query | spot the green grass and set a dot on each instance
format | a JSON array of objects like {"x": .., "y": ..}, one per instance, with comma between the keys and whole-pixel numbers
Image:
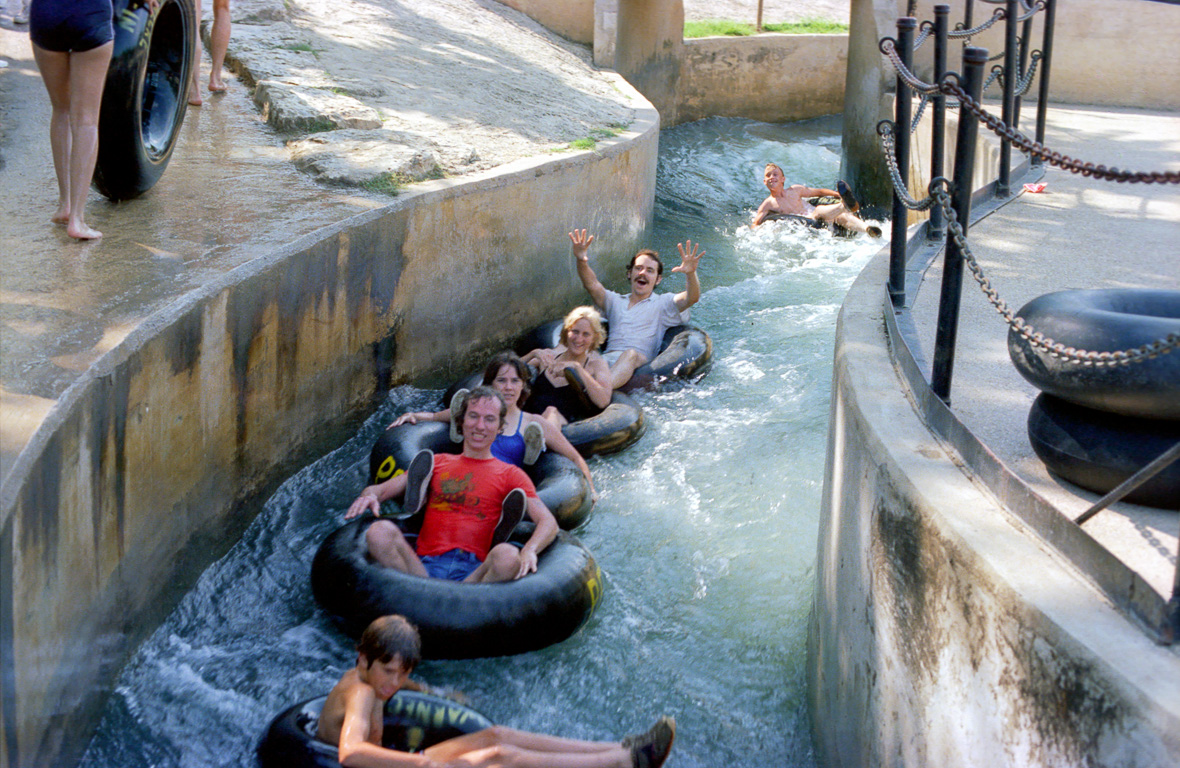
[
  {"x": 393, "y": 183},
  {"x": 301, "y": 48},
  {"x": 386, "y": 183},
  {"x": 724, "y": 27}
]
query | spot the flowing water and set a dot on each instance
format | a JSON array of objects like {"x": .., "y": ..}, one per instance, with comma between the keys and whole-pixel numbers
[{"x": 705, "y": 530}]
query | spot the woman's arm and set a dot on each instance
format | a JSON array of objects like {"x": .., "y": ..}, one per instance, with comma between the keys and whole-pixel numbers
[
  {"x": 417, "y": 416},
  {"x": 555, "y": 440},
  {"x": 598, "y": 382}
]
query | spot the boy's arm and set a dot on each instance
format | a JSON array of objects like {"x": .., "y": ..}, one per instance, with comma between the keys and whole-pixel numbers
[
  {"x": 763, "y": 211},
  {"x": 816, "y": 191},
  {"x": 690, "y": 259},
  {"x": 355, "y": 750},
  {"x": 543, "y": 536},
  {"x": 590, "y": 281}
]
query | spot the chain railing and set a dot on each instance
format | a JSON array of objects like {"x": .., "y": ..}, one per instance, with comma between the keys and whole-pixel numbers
[{"x": 949, "y": 200}]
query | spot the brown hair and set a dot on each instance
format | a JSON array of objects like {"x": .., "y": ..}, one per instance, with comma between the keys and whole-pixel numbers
[
  {"x": 652, "y": 254},
  {"x": 522, "y": 370},
  {"x": 389, "y": 636}
]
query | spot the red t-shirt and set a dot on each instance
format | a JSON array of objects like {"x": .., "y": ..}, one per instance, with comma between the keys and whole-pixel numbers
[{"x": 463, "y": 508}]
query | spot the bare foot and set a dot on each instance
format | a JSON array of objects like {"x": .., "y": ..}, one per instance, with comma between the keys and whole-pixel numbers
[
  {"x": 216, "y": 86},
  {"x": 62, "y": 216},
  {"x": 194, "y": 99},
  {"x": 80, "y": 231}
]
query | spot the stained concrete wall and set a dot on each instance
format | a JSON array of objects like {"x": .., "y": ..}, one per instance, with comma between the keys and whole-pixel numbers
[
  {"x": 943, "y": 633},
  {"x": 1108, "y": 52},
  {"x": 772, "y": 78},
  {"x": 155, "y": 461},
  {"x": 572, "y": 19}
]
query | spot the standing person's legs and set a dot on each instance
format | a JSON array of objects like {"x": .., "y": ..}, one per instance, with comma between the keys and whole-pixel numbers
[
  {"x": 218, "y": 43},
  {"x": 88, "y": 76},
  {"x": 194, "y": 82},
  {"x": 55, "y": 73}
]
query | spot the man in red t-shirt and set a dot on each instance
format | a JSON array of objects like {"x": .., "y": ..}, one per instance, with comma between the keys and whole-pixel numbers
[{"x": 470, "y": 495}]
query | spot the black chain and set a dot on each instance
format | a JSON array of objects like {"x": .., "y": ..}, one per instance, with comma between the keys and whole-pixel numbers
[{"x": 1065, "y": 162}]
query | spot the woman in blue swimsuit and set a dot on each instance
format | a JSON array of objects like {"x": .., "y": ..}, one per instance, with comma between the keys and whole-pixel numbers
[
  {"x": 72, "y": 43},
  {"x": 508, "y": 374}
]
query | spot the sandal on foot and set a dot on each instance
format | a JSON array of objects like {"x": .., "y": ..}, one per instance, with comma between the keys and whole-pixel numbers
[
  {"x": 850, "y": 202},
  {"x": 534, "y": 442},
  {"x": 457, "y": 415},
  {"x": 651, "y": 749},
  {"x": 511, "y": 513},
  {"x": 575, "y": 380},
  {"x": 418, "y": 482}
]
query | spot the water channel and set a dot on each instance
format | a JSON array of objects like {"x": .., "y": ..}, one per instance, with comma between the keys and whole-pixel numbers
[{"x": 705, "y": 530}]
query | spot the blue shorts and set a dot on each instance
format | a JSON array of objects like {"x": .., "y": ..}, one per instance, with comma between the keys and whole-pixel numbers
[
  {"x": 455, "y": 565},
  {"x": 71, "y": 25}
]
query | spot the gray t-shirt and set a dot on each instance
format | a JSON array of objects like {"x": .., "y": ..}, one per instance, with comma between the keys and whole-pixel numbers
[{"x": 642, "y": 326}]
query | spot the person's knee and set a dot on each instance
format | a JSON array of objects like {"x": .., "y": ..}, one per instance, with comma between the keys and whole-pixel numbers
[
  {"x": 503, "y": 562},
  {"x": 382, "y": 536}
]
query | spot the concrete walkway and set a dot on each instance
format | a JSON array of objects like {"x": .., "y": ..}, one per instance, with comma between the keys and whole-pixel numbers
[
  {"x": 1079, "y": 233},
  {"x": 232, "y": 193}
]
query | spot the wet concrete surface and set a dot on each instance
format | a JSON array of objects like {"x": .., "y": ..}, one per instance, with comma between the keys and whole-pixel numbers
[{"x": 229, "y": 194}]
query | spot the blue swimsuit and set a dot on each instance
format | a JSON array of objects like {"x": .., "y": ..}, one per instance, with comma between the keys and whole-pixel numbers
[
  {"x": 510, "y": 448},
  {"x": 71, "y": 26}
]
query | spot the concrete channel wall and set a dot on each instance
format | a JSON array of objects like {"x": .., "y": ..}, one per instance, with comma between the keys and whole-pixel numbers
[
  {"x": 944, "y": 632},
  {"x": 151, "y": 466},
  {"x": 771, "y": 77}
]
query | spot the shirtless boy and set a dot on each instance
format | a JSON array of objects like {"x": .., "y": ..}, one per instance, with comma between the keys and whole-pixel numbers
[
  {"x": 638, "y": 320},
  {"x": 470, "y": 495},
  {"x": 792, "y": 201},
  {"x": 386, "y": 654}
]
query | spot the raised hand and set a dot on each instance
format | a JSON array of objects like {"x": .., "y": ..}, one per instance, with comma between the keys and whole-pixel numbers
[
  {"x": 581, "y": 243},
  {"x": 690, "y": 257}
]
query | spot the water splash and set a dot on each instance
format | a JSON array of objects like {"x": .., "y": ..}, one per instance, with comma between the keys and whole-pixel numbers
[{"x": 705, "y": 531}]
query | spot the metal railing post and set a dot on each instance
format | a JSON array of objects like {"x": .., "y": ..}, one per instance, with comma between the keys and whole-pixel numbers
[
  {"x": 897, "y": 244},
  {"x": 1011, "y": 75},
  {"x": 1022, "y": 69},
  {"x": 1046, "y": 61},
  {"x": 968, "y": 12},
  {"x": 937, "y": 226},
  {"x": 974, "y": 60}
]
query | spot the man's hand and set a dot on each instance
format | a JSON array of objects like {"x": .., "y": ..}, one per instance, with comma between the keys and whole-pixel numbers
[
  {"x": 410, "y": 418},
  {"x": 581, "y": 243},
  {"x": 528, "y": 562},
  {"x": 366, "y": 502},
  {"x": 690, "y": 257}
]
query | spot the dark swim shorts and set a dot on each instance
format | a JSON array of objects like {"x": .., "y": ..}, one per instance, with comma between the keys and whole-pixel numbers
[{"x": 71, "y": 26}]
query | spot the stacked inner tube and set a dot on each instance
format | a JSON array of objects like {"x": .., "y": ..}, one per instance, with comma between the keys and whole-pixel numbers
[
  {"x": 413, "y": 722},
  {"x": 1096, "y": 426},
  {"x": 145, "y": 96},
  {"x": 560, "y": 484},
  {"x": 458, "y": 620}
]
